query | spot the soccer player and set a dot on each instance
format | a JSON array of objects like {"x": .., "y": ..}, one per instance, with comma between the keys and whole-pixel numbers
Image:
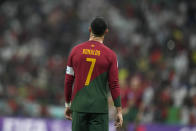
[{"x": 90, "y": 67}]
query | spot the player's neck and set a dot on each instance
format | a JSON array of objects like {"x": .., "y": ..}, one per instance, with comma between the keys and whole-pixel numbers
[{"x": 98, "y": 39}]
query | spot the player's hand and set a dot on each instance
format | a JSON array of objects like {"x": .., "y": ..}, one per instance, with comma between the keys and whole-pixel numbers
[
  {"x": 68, "y": 113},
  {"x": 119, "y": 118}
]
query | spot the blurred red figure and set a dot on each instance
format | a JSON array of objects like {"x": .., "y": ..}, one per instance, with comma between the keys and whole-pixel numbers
[{"x": 135, "y": 108}]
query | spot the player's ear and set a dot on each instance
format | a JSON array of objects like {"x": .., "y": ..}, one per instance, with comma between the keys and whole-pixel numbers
[
  {"x": 106, "y": 31},
  {"x": 89, "y": 29}
]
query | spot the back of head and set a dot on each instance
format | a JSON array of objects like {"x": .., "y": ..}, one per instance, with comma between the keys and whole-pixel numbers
[{"x": 98, "y": 26}]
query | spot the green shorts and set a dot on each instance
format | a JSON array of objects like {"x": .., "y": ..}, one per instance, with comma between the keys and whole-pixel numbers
[{"x": 89, "y": 121}]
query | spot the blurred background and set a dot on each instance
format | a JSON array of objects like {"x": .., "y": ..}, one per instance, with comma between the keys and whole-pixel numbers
[{"x": 155, "y": 41}]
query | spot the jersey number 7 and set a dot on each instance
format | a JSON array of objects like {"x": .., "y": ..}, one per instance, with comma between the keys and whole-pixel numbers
[{"x": 92, "y": 60}]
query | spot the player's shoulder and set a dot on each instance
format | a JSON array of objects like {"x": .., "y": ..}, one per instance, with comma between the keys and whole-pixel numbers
[
  {"x": 109, "y": 51},
  {"x": 78, "y": 46}
]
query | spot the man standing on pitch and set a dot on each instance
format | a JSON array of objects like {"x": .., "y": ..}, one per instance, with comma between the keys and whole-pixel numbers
[{"x": 91, "y": 66}]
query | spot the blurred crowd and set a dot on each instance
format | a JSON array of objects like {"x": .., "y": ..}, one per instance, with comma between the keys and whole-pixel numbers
[{"x": 155, "y": 41}]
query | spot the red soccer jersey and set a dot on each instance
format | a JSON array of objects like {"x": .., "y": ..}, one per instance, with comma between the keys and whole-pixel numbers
[{"x": 91, "y": 67}]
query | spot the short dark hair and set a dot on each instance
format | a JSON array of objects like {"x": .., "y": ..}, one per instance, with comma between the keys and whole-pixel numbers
[{"x": 98, "y": 26}]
